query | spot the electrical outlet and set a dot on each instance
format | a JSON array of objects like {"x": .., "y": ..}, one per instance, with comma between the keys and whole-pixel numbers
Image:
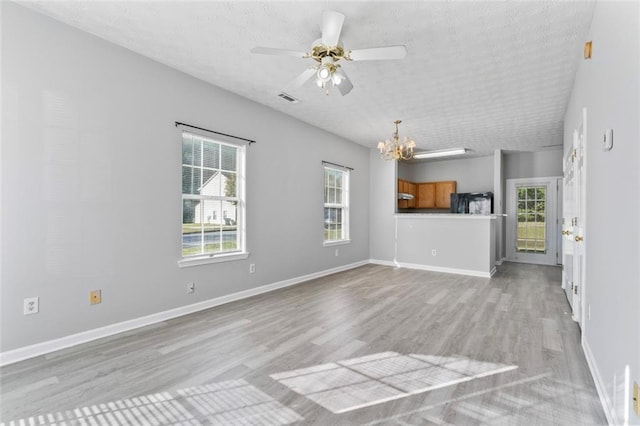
[
  {"x": 31, "y": 305},
  {"x": 191, "y": 287},
  {"x": 95, "y": 297},
  {"x": 434, "y": 252},
  {"x": 337, "y": 252},
  {"x": 252, "y": 268}
]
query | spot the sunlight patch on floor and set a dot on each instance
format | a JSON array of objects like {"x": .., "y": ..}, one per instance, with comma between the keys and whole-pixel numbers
[
  {"x": 230, "y": 402},
  {"x": 373, "y": 379},
  {"x": 237, "y": 402},
  {"x": 160, "y": 408}
]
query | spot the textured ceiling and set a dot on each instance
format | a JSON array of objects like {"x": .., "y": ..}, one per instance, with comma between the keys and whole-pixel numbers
[{"x": 482, "y": 75}]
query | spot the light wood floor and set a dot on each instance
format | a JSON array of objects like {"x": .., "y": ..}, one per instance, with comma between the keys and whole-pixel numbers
[{"x": 373, "y": 345}]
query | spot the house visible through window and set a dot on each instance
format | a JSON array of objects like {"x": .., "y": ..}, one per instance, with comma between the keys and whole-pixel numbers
[
  {"x": 336, "y": 205},
  {"x": 211, "y": 171}
]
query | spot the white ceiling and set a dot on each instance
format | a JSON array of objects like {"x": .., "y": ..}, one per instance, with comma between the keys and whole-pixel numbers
[{"x": 482, "y": 75}]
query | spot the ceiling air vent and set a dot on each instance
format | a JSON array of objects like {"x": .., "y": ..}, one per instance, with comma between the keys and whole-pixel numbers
[{"x": 289, "y": 98}]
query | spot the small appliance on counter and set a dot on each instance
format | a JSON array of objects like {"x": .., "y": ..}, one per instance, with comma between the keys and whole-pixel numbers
[
  {"x": 405, "y": 196},
  {"x": 472, "y": 203}
]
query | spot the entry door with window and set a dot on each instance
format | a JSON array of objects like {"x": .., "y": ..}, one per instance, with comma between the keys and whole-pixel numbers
[{"x": 532, "y": 220}]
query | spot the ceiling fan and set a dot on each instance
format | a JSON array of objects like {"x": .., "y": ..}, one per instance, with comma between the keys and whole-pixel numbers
[{"x": 327, "y": 51}]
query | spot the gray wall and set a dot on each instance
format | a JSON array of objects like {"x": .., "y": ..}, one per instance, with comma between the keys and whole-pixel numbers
[
  {"x": 471, "y": 174},
  {"x": 498, "y": 204},
  {"x": 382, "y": 209},
  {"x": 91, "y": 184},
  {"x": 533, "y": 164},
  {"x": 608, "y": 85},
  {"x": 463, "y": 244}
]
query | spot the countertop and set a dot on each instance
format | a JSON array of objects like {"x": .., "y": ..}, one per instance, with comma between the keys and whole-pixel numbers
[{"x": 446, "y": 216}]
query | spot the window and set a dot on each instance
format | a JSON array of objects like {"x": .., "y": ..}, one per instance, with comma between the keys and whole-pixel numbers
[
  {"x": 336, "y": 205},
  {"x": 531, "y": 213},
  {"x": 212, "y": 188}
]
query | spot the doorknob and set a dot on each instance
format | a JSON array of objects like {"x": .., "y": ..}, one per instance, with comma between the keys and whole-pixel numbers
[{"x": 579, "y": 238}]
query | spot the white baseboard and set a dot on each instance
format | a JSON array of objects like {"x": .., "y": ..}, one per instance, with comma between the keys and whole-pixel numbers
[
  {"x": 500, "y": 261},
  {"x": 20, "y": 354},
  {"x": 384, "y": 262},
  {"x": 435, "y": 268},
  {"x": 448, "y": 270},
  {"x": 609, "y": 412}
]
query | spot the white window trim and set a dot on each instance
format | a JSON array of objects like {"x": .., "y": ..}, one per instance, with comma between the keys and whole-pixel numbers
[
  {"x": 336, "y": 243},
  {"x": 205, "y": 259},
  {"x": 345, "y": 206},
  {"x": 212, "y": 258}
]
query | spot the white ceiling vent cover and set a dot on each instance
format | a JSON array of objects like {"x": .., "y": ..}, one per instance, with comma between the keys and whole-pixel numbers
[{"x": 287, "y": 97}]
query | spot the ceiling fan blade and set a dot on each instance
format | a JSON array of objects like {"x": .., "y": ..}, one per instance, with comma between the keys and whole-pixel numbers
[
  {"x": 345, "y": 85},
  {"x": 300, "y": 79},
  {"x": 278, "y": 52},
  {"x": 331, "y": 27},
  {"x": 377, "y": 53}
]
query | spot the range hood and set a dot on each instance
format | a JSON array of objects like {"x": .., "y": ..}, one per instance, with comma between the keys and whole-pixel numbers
[{"x": 405, "y": 196}]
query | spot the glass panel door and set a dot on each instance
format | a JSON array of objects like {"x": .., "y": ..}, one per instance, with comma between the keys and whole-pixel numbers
[
  {"x": 531, "y": 213},
  {"x": 532, "y": 220}
]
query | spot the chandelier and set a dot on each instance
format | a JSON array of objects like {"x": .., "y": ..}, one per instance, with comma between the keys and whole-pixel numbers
[{"x": 394, "y": 149}]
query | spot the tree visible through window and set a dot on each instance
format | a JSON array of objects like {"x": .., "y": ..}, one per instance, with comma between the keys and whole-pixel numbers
[
  {"x": 531, "y": 214},
  {"x": 336, "y": 204},
  {"x": 211, "y": 202}
]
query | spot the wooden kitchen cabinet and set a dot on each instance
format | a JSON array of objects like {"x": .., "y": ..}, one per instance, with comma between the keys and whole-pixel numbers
[
  {"x": 426, "y": 195},
  {"x": 407, "y": 187},
  {"x": 411, "y": 189},
  {"x": 443, "y": 193},
  {"x": 435, "y": 195}
]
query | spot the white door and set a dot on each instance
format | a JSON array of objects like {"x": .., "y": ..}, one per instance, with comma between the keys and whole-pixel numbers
[
  {"x": 532, "y": 220},
  {"x": 579, "y": 219},
  {"x": 567, "y": 222}
]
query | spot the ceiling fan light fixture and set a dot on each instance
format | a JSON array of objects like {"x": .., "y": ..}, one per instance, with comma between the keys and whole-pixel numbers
[
  {"x": 337, "y": 78},
  {"x": 324, "y": 74},
  {"x": 327, "y": 51},
  {"x": 326, "y": 69}
]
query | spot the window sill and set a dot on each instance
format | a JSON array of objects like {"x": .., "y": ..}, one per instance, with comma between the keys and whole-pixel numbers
[
  {"x": 204, "y": 260},
  {"x": 336, "y": 243}
]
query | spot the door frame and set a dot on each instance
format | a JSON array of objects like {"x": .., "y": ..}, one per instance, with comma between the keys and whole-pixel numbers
[{"x": 553, "y": 221}]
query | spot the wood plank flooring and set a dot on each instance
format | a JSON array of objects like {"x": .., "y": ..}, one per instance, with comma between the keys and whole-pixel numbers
[{"x": 373, "y": 345}]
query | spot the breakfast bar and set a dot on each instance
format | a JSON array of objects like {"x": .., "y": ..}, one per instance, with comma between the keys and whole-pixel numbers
[{"x": 455, "y": 243}]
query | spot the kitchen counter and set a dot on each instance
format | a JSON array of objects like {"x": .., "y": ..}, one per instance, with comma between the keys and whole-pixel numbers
[
  {"x": 447, "y": 215},
  {"x": 446, "y": 242}
]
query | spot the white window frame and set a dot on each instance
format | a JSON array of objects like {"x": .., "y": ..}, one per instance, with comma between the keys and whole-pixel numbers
[
  {"x": 343, "y": 204},
  {"x": 225, "y": 256}
]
